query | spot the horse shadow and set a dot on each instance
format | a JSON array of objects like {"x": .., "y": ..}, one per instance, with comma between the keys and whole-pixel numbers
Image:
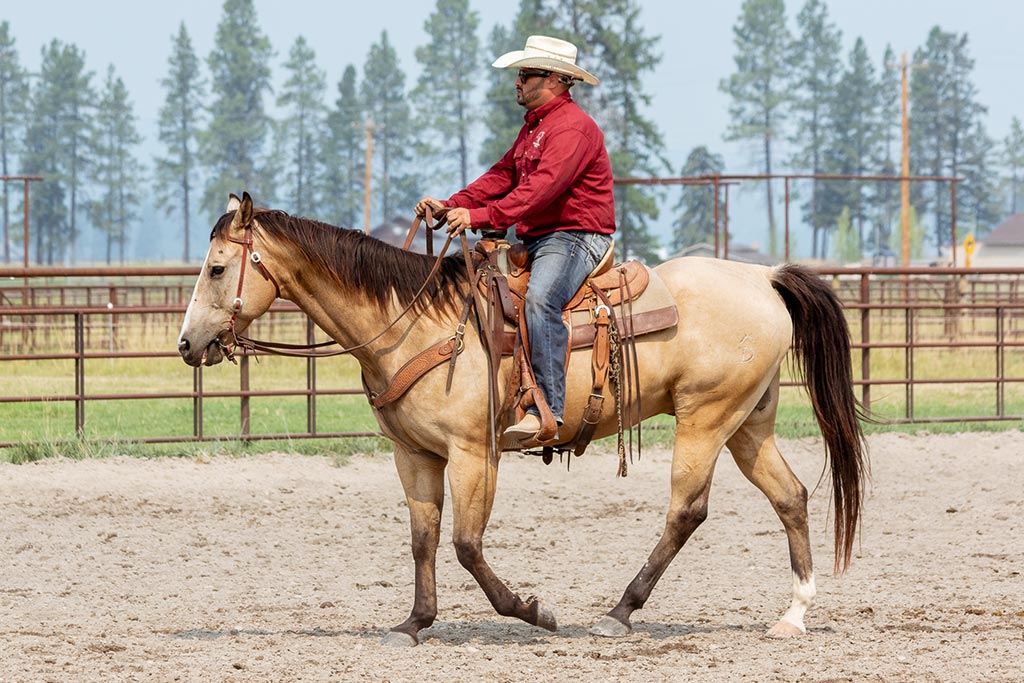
[
  {"x": 493, "y": 632},
  {"x": 498, "y": 633}
]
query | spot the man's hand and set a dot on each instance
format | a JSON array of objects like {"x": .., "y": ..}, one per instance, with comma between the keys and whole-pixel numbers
[
  {"x": 458, "y": 221},
  {"x": 435, "y": 206}
]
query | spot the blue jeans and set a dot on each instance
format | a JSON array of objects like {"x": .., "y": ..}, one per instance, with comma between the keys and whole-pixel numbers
[{"x": 560, "y": 262}]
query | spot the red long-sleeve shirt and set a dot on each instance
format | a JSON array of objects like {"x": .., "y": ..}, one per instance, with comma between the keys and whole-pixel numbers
[{"x": 557, "y": 176}]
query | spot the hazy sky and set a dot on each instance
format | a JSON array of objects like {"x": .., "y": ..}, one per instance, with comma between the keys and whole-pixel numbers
[{"x": 696, "y": 46}]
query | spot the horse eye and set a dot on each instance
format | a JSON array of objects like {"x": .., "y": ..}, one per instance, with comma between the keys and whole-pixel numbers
[{"x": 216, "y": 271}]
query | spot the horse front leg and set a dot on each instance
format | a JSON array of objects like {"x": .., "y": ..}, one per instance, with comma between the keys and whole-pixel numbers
[
  {"x": 472, "y": 480},
  {"x": 422, "y": 477}
]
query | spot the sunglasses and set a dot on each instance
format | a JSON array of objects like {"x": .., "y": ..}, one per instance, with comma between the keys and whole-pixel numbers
[{"x": 524, "y": 76}]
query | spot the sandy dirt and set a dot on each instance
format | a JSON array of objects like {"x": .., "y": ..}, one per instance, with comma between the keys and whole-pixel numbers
[{"x": 290, "y": 568}]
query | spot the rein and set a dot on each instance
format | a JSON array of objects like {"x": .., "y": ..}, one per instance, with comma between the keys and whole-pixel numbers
[{"x": 301, "y": 350}]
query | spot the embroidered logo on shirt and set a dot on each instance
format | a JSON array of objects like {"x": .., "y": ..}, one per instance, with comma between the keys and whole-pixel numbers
[{"x": 536, "y": 140}]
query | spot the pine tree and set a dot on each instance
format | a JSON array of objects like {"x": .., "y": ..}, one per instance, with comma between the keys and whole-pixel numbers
[
  {"x": 858, "y": 139},
  {"x": 1013, "y": 161},
  {"x": 76, "y": 133},
  {"x": 41, "y": 156},
  {"x": 13, "y": 114},
  {"x": 847, "y": 244},
  {"x": 696, "y": 222},
  {"x": 117, "y": 171},
  {"x": 232, "y": 145},
  {"x": 57, "y": 148},
  {"x": 303, "y": 128},
  {"x": 343, "y": 184},
  {"x": 814, "y": 56},
  {"x": 945, "y": 116},
  {"x": 758, "y": 88},
  {"x": 384, "y": 99},
  {"x": 886, "y": 200},
  {"x": 451, "y": 63},
  {"x": 613, "y": 44},
  {"x": 979, "y": 204},
  {"x": 179, "y": 132}
]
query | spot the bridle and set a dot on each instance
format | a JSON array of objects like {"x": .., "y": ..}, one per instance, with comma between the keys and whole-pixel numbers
[{"x": 249, "y": 253}]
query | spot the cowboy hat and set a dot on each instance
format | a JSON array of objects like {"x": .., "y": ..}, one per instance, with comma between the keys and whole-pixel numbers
[{"x": 549, "y": 54}]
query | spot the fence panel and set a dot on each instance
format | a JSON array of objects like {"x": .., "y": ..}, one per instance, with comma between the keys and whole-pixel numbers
[{"x": 929, "y": 345}]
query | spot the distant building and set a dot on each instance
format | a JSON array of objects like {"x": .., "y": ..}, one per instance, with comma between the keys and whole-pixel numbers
[{"x": 1004, "y": 246}]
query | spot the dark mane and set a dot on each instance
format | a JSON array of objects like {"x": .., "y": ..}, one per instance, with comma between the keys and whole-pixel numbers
[{"x": 356, "y": 260}]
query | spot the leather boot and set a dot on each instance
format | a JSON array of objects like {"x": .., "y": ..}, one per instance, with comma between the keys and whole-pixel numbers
[{"x": 525, "y": 429}]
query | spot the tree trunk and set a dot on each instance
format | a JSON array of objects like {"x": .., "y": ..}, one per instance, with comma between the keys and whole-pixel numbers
[{"x": 772, "y": 239}]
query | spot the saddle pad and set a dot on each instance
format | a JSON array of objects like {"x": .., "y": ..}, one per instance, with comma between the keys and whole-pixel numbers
[{"x": 655, "y": 309}]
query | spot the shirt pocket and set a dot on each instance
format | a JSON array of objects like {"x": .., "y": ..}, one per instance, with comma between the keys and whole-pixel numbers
[{"x": 528, "y": 161}]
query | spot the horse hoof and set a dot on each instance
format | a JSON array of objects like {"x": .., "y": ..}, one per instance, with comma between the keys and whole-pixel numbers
[
  {"x": 546, "y": 618},
  {"x": 610, "y": 627},
  {"x": 784, "y": 629},
  {"x": 399, "y": 639}
]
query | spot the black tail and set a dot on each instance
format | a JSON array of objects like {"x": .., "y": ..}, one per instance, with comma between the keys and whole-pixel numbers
[{"x": 821, "y": 342}]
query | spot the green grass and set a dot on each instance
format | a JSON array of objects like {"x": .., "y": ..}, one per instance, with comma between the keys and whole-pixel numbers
[{"x": 339, "y": 450}]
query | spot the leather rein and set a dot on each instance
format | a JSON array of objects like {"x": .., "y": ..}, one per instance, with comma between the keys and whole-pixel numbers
[{"x": 249, "y": 253}]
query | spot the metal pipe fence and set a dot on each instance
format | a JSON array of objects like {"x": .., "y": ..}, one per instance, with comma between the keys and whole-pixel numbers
[{"x": 919, "y": 336}]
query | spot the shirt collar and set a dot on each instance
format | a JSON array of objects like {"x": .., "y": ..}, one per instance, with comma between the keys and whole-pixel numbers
[{"x": 534, "y": 116}]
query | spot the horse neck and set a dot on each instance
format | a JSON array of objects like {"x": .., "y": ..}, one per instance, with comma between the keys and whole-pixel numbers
[{"x": 350, "y": 318}]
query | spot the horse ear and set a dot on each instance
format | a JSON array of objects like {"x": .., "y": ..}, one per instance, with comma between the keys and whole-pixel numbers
[
  {"x": 233, "y": 202},
  {"x": 243, "y": 211}
]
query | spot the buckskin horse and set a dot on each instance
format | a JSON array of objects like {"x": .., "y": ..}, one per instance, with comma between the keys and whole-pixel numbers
[{"x": 717, "y": 372}]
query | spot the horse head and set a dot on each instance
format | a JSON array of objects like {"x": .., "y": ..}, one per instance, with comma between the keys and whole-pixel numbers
[{"x": 225, "y": 301}]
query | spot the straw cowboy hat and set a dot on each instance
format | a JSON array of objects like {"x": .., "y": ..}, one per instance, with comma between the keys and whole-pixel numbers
[{"x": 549, "y": 54}]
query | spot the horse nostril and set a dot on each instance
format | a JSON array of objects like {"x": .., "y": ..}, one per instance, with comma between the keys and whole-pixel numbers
[{"x": 183, "y": 346}]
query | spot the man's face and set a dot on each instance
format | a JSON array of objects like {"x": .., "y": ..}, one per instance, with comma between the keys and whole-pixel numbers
[{"x": 532, "y": 86}]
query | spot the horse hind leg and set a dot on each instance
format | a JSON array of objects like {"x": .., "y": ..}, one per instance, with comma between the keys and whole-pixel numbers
[
  {"x": 693, "y": 464},
  {"x": 755, "y": 452}
]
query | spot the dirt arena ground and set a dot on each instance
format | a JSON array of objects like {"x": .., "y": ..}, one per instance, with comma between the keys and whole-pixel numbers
[{"x": 289, "y": 568}]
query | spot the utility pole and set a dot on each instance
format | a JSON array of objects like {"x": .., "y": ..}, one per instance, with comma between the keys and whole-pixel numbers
[
  {"x": 905, "y": 67},
  {"x": 369, "y": 159}
]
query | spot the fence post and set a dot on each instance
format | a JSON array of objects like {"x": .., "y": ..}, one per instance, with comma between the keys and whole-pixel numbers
[
  {"x": 243, "y": 374},
  {"x": 310, "y": 382},
  {"x": 908, "y": 337},
  {"x": 79, "y": 374},
  {"x": 865, "y": 338},
  {"x": 1000, "y": 363},
  {"x": 197, "y": 402}
]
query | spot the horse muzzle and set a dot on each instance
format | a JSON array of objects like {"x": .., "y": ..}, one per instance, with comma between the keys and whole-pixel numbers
[{"x": 211, "y": 354}]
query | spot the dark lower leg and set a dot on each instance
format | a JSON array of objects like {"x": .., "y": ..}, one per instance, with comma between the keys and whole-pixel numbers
[
  {"x": 424, "y": 608},
  {"x": 677, "y": 532},
  {"x": 502, "y": 598}
]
